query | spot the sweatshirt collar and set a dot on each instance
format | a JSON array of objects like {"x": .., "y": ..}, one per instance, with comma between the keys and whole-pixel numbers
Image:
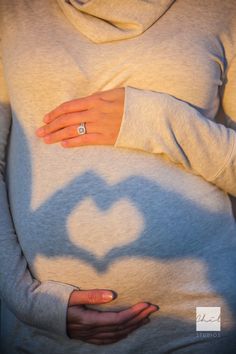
[{"x": 111, "y": 20}]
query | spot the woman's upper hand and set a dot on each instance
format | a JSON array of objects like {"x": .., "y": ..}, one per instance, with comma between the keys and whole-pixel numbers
[
  {"x": 101, "y": 112},
  {"x": 103, "y": 327}
]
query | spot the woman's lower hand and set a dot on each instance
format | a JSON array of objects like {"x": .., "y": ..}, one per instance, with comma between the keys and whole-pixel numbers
[
  {"x": 101, "y": 112},
  {"x": 103, "y": 327}
]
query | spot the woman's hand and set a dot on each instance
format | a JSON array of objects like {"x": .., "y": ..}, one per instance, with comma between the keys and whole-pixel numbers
[
  {"x": 101, "y": 112},
  {"x": 97, "y": 327}
]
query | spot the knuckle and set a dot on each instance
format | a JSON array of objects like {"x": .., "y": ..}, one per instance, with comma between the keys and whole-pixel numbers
[
  {"x": 98, "y": 102},
  {"x": 92, "y": 297}
]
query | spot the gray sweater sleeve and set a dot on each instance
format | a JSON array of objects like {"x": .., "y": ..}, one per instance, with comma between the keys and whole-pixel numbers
[
  {"x": 161, "y": 124},
  {"x": 42, "y": 305}
]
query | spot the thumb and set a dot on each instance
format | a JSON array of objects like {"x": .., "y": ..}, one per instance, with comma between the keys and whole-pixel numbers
[{"x": 91, "y": 297}]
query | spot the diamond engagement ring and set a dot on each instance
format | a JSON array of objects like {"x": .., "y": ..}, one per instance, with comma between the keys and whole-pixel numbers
[{"x": 81, "y": 129}]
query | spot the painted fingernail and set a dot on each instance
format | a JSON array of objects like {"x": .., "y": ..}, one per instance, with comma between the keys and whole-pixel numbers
[
  {"x": 109, "y": 295},
  {"x": 154, "y": 308}
]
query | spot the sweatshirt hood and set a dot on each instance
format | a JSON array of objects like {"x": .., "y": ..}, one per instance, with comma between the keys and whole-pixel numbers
[{"x": 111, "y": 20}]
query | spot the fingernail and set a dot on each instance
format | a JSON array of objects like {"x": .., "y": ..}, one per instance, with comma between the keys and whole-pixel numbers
[
  {"x": 155, "y": 308},
  {"x": 109, "y": 295},
  {"x": 40, "y": 132}
]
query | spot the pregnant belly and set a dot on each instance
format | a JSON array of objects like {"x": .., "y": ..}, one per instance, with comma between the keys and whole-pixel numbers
[{"x": 154, "y": 234}]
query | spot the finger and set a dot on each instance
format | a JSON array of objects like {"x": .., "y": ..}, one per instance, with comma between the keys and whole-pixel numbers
[
  {"x": 104, "y": 332},
  {"x": 138, "y": 320},
  {"x": 64, "y": 121},
  {"x": 94, "y": 296},
  {"x": 77, "y": 105},
  {"x": 84, "y": 103},
  {"x": 96, "y": 318},
  {"x": 74, "y": 334},
  {"x": 88, "y": 336},
  {"x": 84, "y": 140},
  {"x": 102, "y": 341},
  {"x": 134, "y": 314},
  {"x": 115, "y": 335},
  {"x": 142, "y": 315},
  {"x": 88, "y": 330},
  {"x": 68, "y": 133}
]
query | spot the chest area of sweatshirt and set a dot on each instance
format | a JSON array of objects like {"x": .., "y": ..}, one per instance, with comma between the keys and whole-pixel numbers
[{"x": 48, "y": 60}]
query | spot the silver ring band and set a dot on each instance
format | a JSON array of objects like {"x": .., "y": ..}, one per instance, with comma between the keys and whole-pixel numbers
[{"x": 81, "y": 129}]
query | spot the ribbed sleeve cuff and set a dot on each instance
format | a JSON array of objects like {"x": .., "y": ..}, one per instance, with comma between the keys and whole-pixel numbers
[{"x": 136, "y": 126}]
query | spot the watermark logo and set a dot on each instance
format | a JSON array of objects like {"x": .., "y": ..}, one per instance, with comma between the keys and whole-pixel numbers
[{"x": 208, "y": 319}]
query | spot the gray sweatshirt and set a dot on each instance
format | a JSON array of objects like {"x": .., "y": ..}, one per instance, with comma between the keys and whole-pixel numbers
[{"x": 149, "y": 217}]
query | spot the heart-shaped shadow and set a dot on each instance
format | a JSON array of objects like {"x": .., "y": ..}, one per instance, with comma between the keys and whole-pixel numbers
[{"x": 173, "y": 227}]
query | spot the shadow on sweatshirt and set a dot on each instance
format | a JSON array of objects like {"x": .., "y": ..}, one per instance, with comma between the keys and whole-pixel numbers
[{"x": 174, "y": 229}]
